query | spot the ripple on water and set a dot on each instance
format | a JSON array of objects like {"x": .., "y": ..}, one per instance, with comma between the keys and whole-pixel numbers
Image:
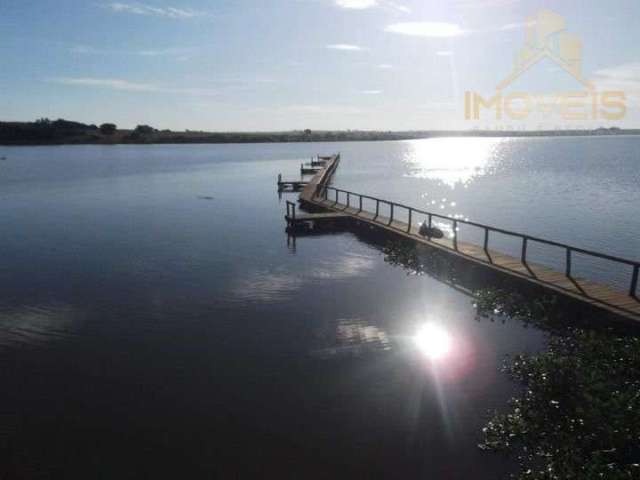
[{"x": 36, "y": 325}]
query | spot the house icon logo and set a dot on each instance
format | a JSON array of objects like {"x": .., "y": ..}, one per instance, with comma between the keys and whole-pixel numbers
[{"x": 547, "y": 37}]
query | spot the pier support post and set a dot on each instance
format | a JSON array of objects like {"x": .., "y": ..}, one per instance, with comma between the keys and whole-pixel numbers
[
  {"x": 455, "y": 235},
  {"x": 568, "y": 263},
  {"x": 634, "y": 282},
  {"x": 409, "y": 226}
]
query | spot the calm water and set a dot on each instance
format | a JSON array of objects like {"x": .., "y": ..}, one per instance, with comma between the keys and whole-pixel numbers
[{"x": 155, "y": 323}]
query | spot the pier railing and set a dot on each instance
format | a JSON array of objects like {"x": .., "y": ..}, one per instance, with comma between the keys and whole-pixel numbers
[{"x": 355, "y": 200}]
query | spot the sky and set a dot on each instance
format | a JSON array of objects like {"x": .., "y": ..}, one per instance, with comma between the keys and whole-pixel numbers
[{"x": 272, "y": 65}]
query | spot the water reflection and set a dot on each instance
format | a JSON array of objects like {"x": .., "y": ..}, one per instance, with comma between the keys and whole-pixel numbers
[
  {"x": 343, "y": 266},
  {"x": 35, "y": 325},
  {"x": 352, "y": 337},
  {"x": 433, "y": 340},
  {"x": 279, "y": 285},
  {"x": 449, "y": 160},
  {"x": 267, "y": 286}
]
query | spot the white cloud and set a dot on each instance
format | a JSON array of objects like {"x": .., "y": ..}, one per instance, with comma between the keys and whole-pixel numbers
[
  {"x": 371, "y": 92},
  {"x": 385, "y": 66},
  {"x": 624, "y": 77},
  {"x": 127, "y": 86},
  {"x": 364, "y": 4},
  {"x": 149, "y": 10},
  {"x": 345, "y": 46},
  {"x": 444, "y": 53},
  {"x": 172, "y": 51},
  {"x": 356, "y": 4},
  {"x": 513, "y": 26},
  {"x": 485, "y": 4},
  {"x": 162, "y": 52},
  {"x": 627, "y": 72},
  {"x": 323, "y": 109},
  {"x": 85, "y": 50},
  {"x": 426, "y": 29}
]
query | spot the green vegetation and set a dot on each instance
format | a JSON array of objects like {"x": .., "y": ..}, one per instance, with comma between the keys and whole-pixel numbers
[
  {"x": 108, "y": 128},
  {"x": 58, "y": 132},
  {"x": 578, "y": 416}
]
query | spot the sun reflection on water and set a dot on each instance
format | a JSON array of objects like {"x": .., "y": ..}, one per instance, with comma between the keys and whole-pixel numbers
[
  {"x": 451, "y": 161},
  {"x": 433, "y": 340}
]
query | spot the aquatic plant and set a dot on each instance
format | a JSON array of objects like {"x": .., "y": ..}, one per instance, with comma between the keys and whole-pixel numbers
[{"x": 578, "y": 416}]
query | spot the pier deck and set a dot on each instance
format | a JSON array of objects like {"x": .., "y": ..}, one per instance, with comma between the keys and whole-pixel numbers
[{"x": 317, "y": 194}]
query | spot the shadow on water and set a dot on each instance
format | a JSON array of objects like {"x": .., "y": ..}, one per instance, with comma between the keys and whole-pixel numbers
[{"x": 496, "y": 294}]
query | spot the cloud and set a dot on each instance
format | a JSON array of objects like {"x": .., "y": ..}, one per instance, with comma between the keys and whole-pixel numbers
[
  {"x": 371, "y": 92},
  {"x": 365, "y": 4},
  {"x": 624, "y": 77},
  {"x": 149, "y": 10},
  {"x": 127, "y": 86},
  {"x": 513, "y": 26},
  {"x": 444, "y": 53},
  {"x": 166, "y": 52},
  {"x": 426, "y": 29},
  {"x": 181, "y": 52},
  {"x": 346, "y": 47},
  {"x": 484, "y": 4},
  {"x": 323, "y": 109},
  {"x": 356, "y": 4},
  {"x": 625, "y": 73},
  {"x": 385, "y": 66},
  {"x": 84, "y": 50},
  {"x": 444, "y": 30}
]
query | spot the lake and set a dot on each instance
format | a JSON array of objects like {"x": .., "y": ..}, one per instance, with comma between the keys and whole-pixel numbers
[{"x": 156, "y": 321}]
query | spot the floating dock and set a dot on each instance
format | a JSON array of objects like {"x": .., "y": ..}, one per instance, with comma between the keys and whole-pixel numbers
[{"x": 359, "y": 209}]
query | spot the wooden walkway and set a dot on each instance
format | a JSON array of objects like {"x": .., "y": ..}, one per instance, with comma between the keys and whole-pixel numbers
[{"x": 317, "y": 194}]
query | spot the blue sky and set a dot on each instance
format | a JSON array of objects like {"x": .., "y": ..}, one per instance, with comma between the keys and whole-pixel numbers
[{"x": 293, "y": 64}]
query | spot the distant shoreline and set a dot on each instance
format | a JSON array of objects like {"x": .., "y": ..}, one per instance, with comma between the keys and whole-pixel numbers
[{"x": 63, "y": 132}]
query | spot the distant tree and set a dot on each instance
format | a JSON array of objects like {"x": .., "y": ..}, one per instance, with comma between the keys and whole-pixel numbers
[
  {"x": 68, "y": 125},
  {"x": 42, "y": 121},
  {"x": 108, "y": 128},
  {"x": 307, "y": 131},
  {"x": 144, "y": 130}
]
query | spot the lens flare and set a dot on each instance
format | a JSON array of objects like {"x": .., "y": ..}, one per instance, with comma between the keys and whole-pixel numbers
[{"x": 433, "y": 340}]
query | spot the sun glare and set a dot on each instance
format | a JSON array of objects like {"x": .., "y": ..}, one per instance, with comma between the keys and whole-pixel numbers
[
  {"x": 433, "y": 340},
  {"x": 450, "y": 161}
]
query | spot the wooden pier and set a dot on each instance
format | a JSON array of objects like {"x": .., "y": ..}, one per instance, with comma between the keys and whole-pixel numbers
[
  {"x": 311, "y": 221},
  {"x": 290, "y": 185},
  {"x": 360, "y": 209},
  {"x": 308, "y": 170}
]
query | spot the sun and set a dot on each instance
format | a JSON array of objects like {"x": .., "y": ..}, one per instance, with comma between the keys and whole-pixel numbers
[{"x": 433, "y": 340}]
